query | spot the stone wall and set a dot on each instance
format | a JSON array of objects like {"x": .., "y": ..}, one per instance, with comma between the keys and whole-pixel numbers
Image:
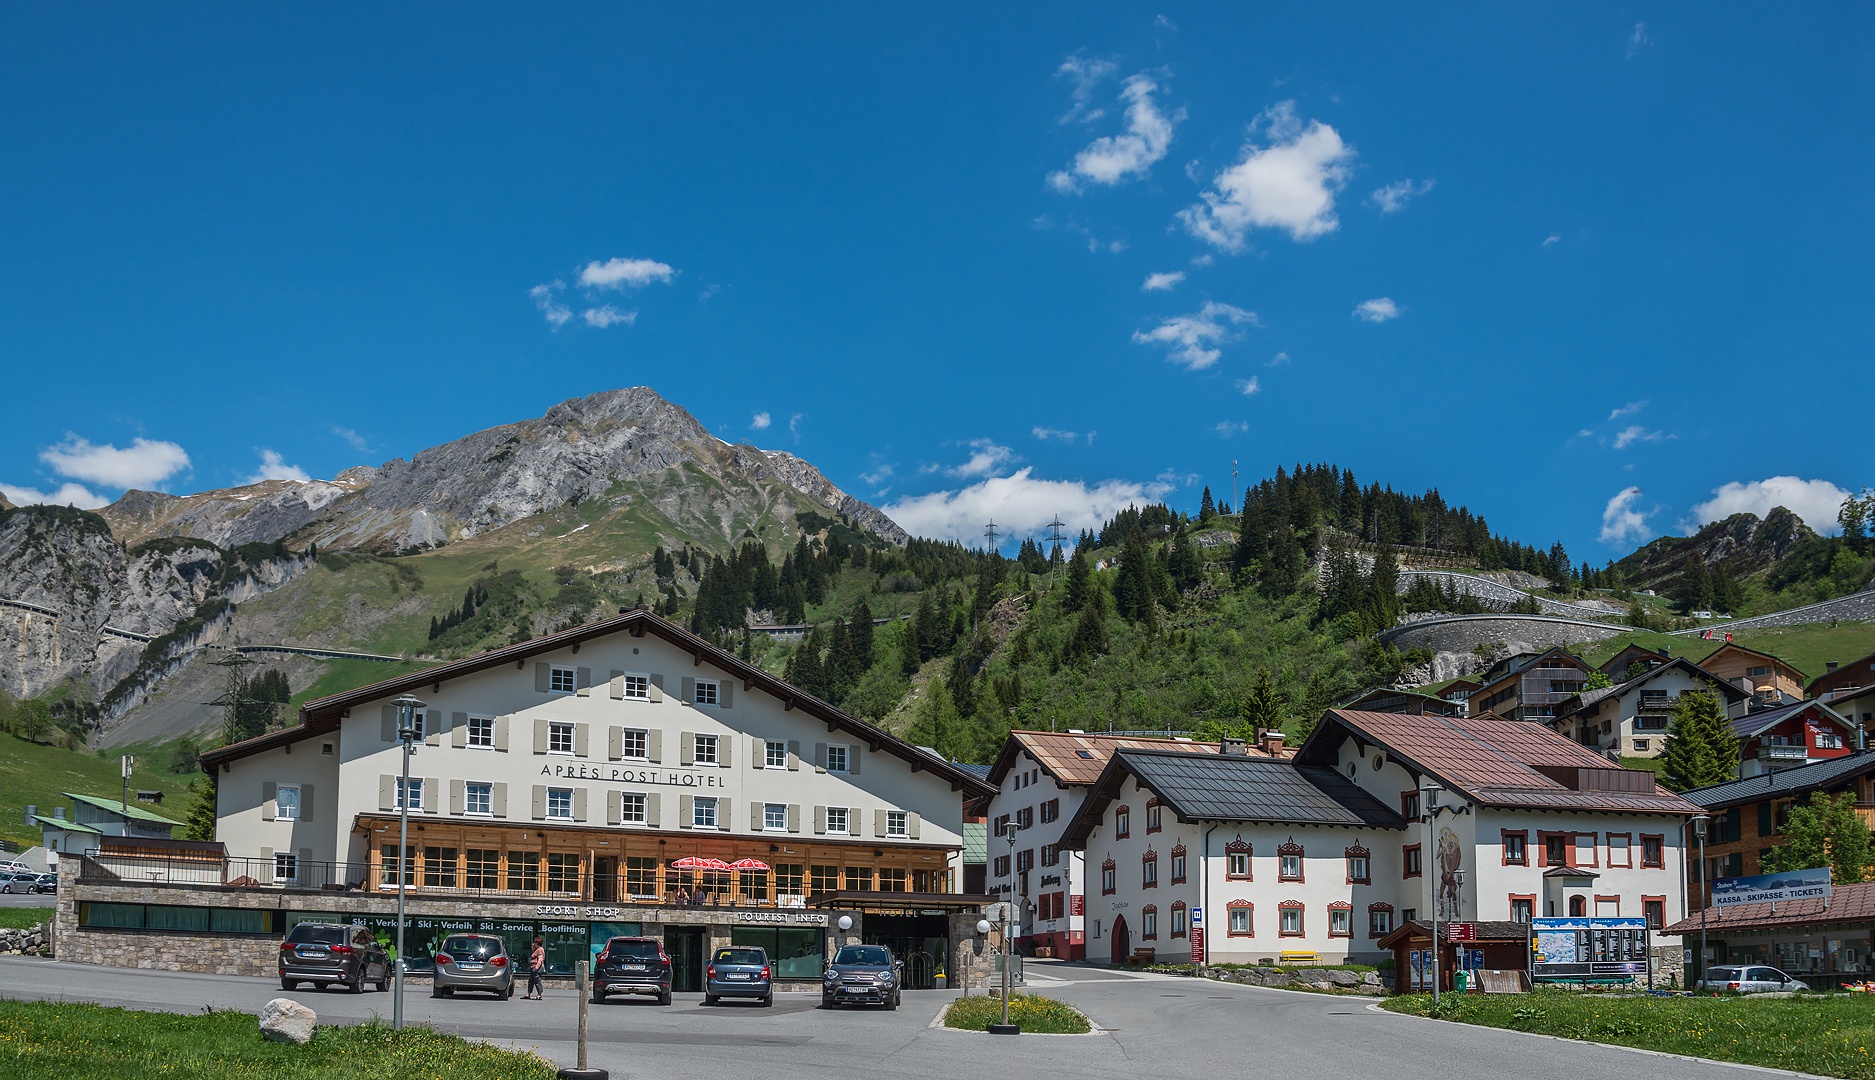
[
  {"x": 1351, "y": 982},
  {"x": 32, "y": 941},
  {"x": 1461, "y": 633}
]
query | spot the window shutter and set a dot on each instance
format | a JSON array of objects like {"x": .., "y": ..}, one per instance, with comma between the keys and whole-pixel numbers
[
  {"x": 540, "y": 802},
  {"x": 615, "y": 744},
  {"x": 614, "y": 807},
  {"x": 582, "y": 678},
  {"x": 656, "y": 690},
  {"x": 269, "y": 803},
  {"x": 387, "y": 792},
  {"x": 459, "y": 729},
  {"x": 1764, "y": 819},
  {"x": 581, "y": 733},
  {"x": 501, "y": 732},
  {"x": 878, "y": 822},
  {"x": 389, "y": 734},
  {"x": 433, "y": 728},
  {"x": 618, "y": 686},
  {"x": 540, "y": 736},
  {"x": 794, "y": 755},
  {"x": 820, "y": 820},
  {"x": 723, "y": 820},
  {"x": 725, "y": 693},
  {"x": 579, "y": 804},
  {"x": 543, "y": 678},
  {"x": 852, "y": 760},
  {"x": 758, "y": 752},
  {"x": 794, "y": 817},
  {"x": 428, "y": 799},
  {"x": 912, "y": 821},
  {"x": 305, "y": 802},
  {"x": 690, "y": 689},
  {"x": 724, "y": 747},
  {"x": 653, "y": 817},
  {"x": 654, "y": 747},
  {"x": 755, "y": 816},
  {"x": 685, "y": 818},
  {"x": 266, "y": 866},
  {"x": 498, "y": 800},
  {"x": 456, "y": 791},
  {"x": 820, "y": 756},
  {"x": 686, "y": 748},
  {"x": 855, "y": 825}
]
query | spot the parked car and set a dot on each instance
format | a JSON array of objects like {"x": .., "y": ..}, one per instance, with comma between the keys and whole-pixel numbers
[
  {"x": 20, "y": 881},
  {"x": 333, "y": 954},
  {"x": 46, "y": 883},
  {"x": 739, "y": 971},
  {"x": 632, "y": 965},
  {"x": 1751, "y": 979},
  {"x": 473, "y": 962},
  {"x": 859, "y": 974}
]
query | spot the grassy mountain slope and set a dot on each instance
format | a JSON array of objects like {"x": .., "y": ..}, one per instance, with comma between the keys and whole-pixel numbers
[
  {"x": 34, "y": 773},
  {"x": 1807, "y": 648}
]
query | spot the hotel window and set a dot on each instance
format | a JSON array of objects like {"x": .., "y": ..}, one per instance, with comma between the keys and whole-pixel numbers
[
  {"x": 286, "y": 803},
  {"x": 560, "y": 803},
  {"x": 1379, "y": 920},
  {"x": 1025, "y": 818},
  {"x": 1025, "y": 860},
  {"x": 524, "y": 871},
  {"x": 1516, "y": 849},
  {"x": 1178, "y": 865},
  {"x": 703, "y": 812},
  {"x": 836, "y": 758},
  {"x": 481, "y": 731},
  {"x": 825, "y": 879},
  {"x": 482, "y": 868},
  {"x": 1149, "y": 922},
  {"x": 641, "y": 876},
  {"x": 409, "y": 793},
  {"x": 790, "y": 879},
  {"x": 1051, "y": 854},
  {"x": 1237, "y": 864},
  {"x": 631, "y": 808},
  {"x": 1122, "y": 823},
  {"x": 703, "y": 749},
  {"x": 1152, "y": 816},
  {"x": 859, "y": 879},
  {"x": 1556, "y": 851},
  {"x": 634, "y": 743},
  {"x": 1289, "y": 918},
  {"x": 439, "y": 867},
  {"x": 775, "y": 817},
  {"x": 705, "y": 693},
  {"x": 1289, "y": 863},
  {"x": 1178, "y": 919},
  {"x": 891, "y": 879},
  {"x": 1107, "y": 878},
  {"x": 563, "y": 680},
  {"x": 897, "y": 823},
  {"x": 1051, "y": 811},
  {"x": 1655, "y": 911},
  {"x": 1409, "y": 861},
  {"x": 1149, "y": 871},
  {"x": 559, "y": 738},
  {"x": 1359, "y": 867},
  {"x": 774, "y": 754},
  {"x": 1653, "y": 851},
  {"x": 1000, "y": 866},
  {"x": 1340, "y": 921},
  {"x": 478, "y": 799},
  {"x": 837, "y": 820},
  {"x": 416, "y": 725},
  {"x": 638, "y": 687},
  {"x": 562, "y": 871},
  {"x": 1620, "y": 850},
  {"x": 285, "y": 867},
  {"x": 1829, "y": 740},
  {"x": 1242, "y": 919}
]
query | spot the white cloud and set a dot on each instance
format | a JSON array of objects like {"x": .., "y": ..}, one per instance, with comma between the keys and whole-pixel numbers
[
  {"x": 1815, "y": 501},
  {"x": 1162, "y": 282},
  {"x": 1289, "y": 184},
  {"x": 1157, "y": 20},
  {"x": 352, "y": 438},
  {"x": 986, "y": 457},
  {"x": 1192, "y": 340},
  {"x": 607, "y": 315},
  {"x": 1622, "y": 521},
  {"x": 67, "y": 495},
  {"x": 1086, "y": 74},
  {"x": 1115, "y": 159},
  {"x": 555, "y": 312},
  {"x": 794, "y": 425},
  {"x": 1552, "y": 238},
  {"x": 1249, "y": 386},
  {"x": 1227, "y": 428},
  {"x": 1585, "y": 433},
  {"x": 144, "y": 463},
  {"x": 1281, "y": 359},
  {"x": 759, "y": 422},
  {"x": 1205, "y": 259},
  {"x": 273, "y": 467},
  {"x": 1047, "y": 434},
  {"x": 1378, "y": 310},
  {"x": 1639, "y": 39},
  {"x": 1634, "y": 433},
  {"x": 1394, "y": 197},
  {"x": 1629, "y": 409},
  {"x": 1020, "y": 504},
  {"x": 624, "y": 273},
  {"x": 878, "y": 475}
]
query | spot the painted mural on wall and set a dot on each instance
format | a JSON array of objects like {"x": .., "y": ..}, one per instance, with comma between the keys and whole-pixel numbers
[{"x": 1451, "y": 859}]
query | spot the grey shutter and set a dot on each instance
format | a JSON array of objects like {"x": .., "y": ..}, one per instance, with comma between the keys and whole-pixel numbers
[
  {"x": 758, "y": 749},
  {"x": 579, "y": 804},
  {"x": 820, "y": 820},
  {"x": 654, "y": 747},
  {"x": 614, "y": 807},
  {"x": 724, "y": 744},
  {"x": 389, "y": 733},
  {"x": 855, "y": 824},
  {"x": 912, "y": 822},
  {"x": 540, "y": 802},
  {"x": 581, "y": 732},
  {"x": 540, "y": 736},
  {"x": 686, "y": 749},
  {"x": 501, "y": 732},
  {"x": 794, "y": 817},
  {"x": 266, "y": 866},
  {"x": 582, "y": 679},
  {"x": 387, "y": 792},
  {"x": 655, "y": 691},
  {"x": 684, "y": 817},
  {"x": 820, "y": 756},
  {"x": 755, "y": 816},
  {"x": 269, "y": 801},
  {"x": 690, "y": 689},
  {"x": 615, "y": 743},
  {"x": 722, "y": 815},
  {"x": 878, "y": 822},
  {"x": 433, "y": 728},
  {"x": 852, "y": 760},
  {"x": 305, "y": 802},
  {"x": 725, "y": 693},
  {"x": 428, "y": 797},
  {"x": 543, "y": 678},
  {"x": 456, "y": 788},
  {"x": 459, "y": 729},
  {"x": 653, "y": 817},
  {"x": 498, "y": 800},
  {"x": 618, "y": 687},
  {"x": 794, "y": 755}
]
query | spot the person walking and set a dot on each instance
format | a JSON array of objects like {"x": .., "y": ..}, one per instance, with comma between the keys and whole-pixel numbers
[{"x": 536, "y": 967}]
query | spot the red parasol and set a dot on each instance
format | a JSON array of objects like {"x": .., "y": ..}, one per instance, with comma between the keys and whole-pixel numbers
[
  {"x": 696, "y": 862},
  {"x": 749, "y": 864}
]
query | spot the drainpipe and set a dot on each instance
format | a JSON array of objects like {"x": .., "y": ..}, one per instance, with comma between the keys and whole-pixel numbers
[{"x": 1204, "y": 890}]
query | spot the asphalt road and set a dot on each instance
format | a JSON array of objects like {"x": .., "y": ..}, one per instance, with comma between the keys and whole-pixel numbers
[
  {"x": 44, "y": 900},
  {"x": 1155, "y": 1026}
]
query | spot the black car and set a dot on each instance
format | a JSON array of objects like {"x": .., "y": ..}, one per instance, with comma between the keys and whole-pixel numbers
[
  {"x": 47, "y": 883},
  {"x": 334, "y": 954},
  {"x": 861, "y": 974},
  {"x": 632, "y": 965}
]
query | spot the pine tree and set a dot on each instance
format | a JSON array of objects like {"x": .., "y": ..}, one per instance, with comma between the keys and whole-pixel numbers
[
  {"x": 1695, "y": 587},
  {"x": 1078, "y": 576},
  {"x": 199, "y": 821},
  {"x": 1090, "y": 632},
  {"x": 1826, "y": 832},
  {"x": 861, "y": 630},
  {"x": 1133, "y": 593},
  {"x": 1264, "y": 708},
  {"x": 1206, "y": 508},
  {"x": 1701, "y": 748}
]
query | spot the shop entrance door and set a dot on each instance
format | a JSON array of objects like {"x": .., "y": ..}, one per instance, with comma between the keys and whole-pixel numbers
[
  {"x": 686, "y": 948},
  {"x": 919, "y": 942},
  {"x": 605, "y": 879}
]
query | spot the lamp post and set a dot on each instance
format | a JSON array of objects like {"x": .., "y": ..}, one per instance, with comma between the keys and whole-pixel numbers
[
  {"x": 1699, "y": 833},
  {"x": 407, "y": 735},
  {"x": 1429, "y": 793},
  {"x": 1009, "y": 932}
]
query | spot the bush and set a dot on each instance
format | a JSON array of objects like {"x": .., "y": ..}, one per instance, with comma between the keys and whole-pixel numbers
[{"x": 1031, "y": 1012}]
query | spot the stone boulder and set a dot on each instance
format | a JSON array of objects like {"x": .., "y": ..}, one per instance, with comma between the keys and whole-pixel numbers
[
  {"x": 284, "y": 1020},
  {"x": 1346, "y": 980},
  {"x": 1312, "y": 976}
]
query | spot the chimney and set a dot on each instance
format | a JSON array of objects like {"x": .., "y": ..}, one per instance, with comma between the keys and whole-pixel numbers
[
  {"x": 1235, "y": 747},
  {"x": 59, "y": 812},
  {"x": 1665, "y": 650},
  {"x": 1828, "y": 667},
  {"x": 1273, "y": 743},
  {"x": 33, "y": 811}
]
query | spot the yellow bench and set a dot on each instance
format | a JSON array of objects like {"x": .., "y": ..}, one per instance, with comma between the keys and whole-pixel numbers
[
  {"x": 1143, "y": 957},
  {"x": 1297, "y": 956}
]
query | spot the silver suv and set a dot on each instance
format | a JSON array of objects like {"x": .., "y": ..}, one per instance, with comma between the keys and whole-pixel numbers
[
  {"x": 1750, "y": 979},
  {"x": 473, "y": 962}
]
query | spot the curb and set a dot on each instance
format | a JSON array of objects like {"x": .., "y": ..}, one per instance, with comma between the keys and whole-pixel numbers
[{"x": 937, "y": 1024}]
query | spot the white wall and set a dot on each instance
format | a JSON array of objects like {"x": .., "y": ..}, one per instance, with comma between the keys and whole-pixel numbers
[{"x": 1028, "y": 787}]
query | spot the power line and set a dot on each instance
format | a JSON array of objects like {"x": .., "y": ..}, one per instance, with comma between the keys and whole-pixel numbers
[{"x": 991, "y": 533}]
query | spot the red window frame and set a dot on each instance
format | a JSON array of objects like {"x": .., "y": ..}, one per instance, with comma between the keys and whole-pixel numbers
[
  {"x": 1149, "y": 929},
  {"x": 1358, "y": 852},
  {"x": 1149, "y": 859},
  {"x": 1371, "y": 908},
  {"x": 1109, "y": 872},
  {"x": 1122, "y": 823},
  {"x": 1608, "y": 841},
  {"x": 1649, "y": 906},
  {"x": 1288, "y": 849},
  {"x": 1239, "y": 847},
  {"x": 1340, "y": 905},
  {"x": 1178, "y": 864},
  {"x": 1154, "y": 817},
  {"x": 1230, "y": 924},
  {"x": 1302, "y": 918},
  {"x": 1178, "y": 926},
  {"x": 1659, "y": 861}
]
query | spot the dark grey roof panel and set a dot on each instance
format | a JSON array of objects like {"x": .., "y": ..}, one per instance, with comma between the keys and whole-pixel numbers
[
  {"x": 1231, "y": 787},
  {"x": 1784, "y": 783}
]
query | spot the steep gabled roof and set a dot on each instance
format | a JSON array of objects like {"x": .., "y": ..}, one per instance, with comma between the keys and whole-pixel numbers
[
  {"x": 1753, "y": 724},
  {"x": 1076, "y": 758},
  {"x": 324, "y": 714},
  {"x": 1733, "y": 646},
  {"x": 1591, "y": 698}
]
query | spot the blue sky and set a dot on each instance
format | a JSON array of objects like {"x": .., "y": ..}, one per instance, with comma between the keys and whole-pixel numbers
[{"x": 1594, "y": 270}]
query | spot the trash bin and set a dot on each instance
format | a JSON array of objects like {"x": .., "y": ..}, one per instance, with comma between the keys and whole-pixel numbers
[{"x": 1461, "y": 980}]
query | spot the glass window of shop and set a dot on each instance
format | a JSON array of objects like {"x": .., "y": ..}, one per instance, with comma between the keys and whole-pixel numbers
[{"x": 794, "y": 954}]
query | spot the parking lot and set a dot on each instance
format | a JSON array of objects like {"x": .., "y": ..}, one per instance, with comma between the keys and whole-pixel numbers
[{"x": 1153, "y": 1026}]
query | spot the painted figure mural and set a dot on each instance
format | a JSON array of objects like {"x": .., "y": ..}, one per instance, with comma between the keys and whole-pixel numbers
[{"x": 1451, "y": 858}]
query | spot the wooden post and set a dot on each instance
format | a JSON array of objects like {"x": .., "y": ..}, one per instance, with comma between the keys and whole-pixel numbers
[{"x": 582, "y": 984}]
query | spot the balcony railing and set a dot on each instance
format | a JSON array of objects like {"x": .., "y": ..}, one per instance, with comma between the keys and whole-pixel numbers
[{"x": 1775, "y": 752}]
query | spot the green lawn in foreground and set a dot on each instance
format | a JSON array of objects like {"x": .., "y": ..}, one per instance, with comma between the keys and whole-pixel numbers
[
  {"x": 91, "y": 1042},
  {"x": 1030, "y": 1012},
  {"x": 1830, "y": 1035},
  {"x": 25, "y": 918}
]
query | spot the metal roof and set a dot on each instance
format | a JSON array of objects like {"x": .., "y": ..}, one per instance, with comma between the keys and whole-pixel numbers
[
  {"x": 976, "y": 843},
  {"x": 131, "y": 811},
  {"x": 1757, "y": 723},
  {"x": 1846, "y": 904},
  {"x": 1077, "y": 757},
  {"x": 72, "y": 826},
  {"x": 1784, "y": 783}
]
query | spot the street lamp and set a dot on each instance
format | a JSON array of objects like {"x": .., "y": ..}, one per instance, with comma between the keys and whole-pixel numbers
[
  {"x": 1699, "y": 833},
  {"x": 407, "y": 735},
  {"x": 1009, "y": 932},
  {"x": 1429, "y": 794},
  {"x": 983, "y": 929}
]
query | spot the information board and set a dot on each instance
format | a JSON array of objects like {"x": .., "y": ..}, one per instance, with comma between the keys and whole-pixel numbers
[{"x": 1588, "y": 948}]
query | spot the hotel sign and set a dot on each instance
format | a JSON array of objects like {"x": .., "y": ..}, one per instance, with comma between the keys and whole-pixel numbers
[{"x": 712, "y": 778}]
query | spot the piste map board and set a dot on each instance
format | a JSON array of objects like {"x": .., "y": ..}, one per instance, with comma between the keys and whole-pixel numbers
[{"x": 1588, "y": 948}]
